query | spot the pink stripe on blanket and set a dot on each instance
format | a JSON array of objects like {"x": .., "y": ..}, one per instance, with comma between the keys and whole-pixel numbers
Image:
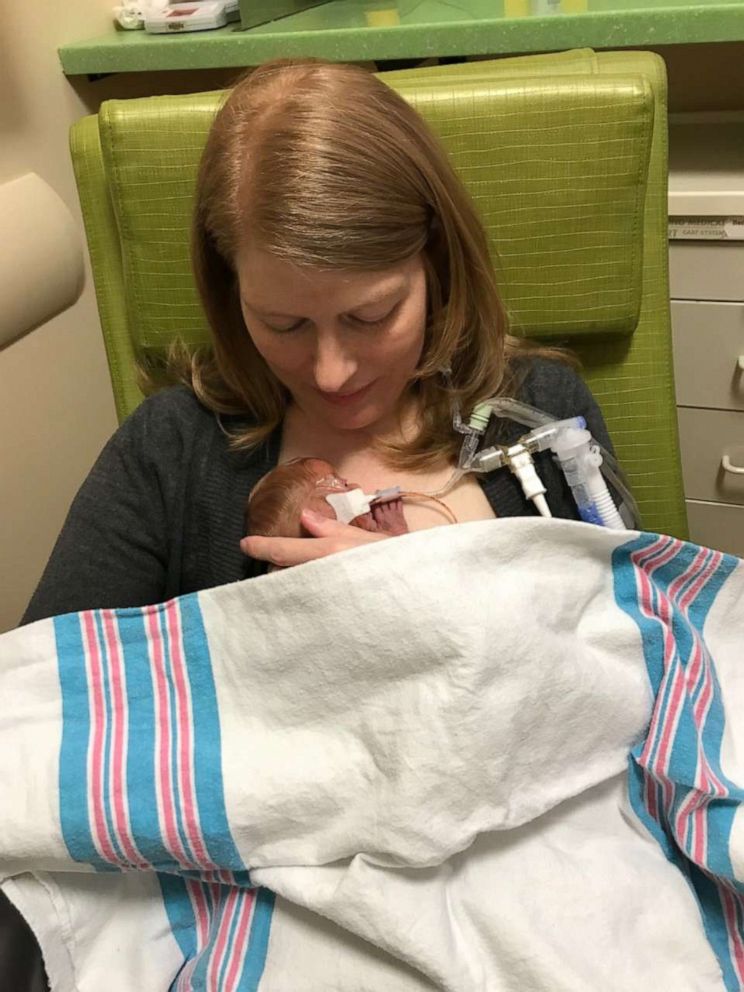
[
  {"x": 664, "y": 720},
  {"x": 670, "y": 717},
  {"x": 202, "y": 911},
  {"x": 219, "y": 952},
  {"x": 163, "y": 746},
  {"x": 647, "y": 562},
  {"x": 119, "y": 723},
  {"x": 96, "y": 754},
  {"x": 184, "y": 724},
  {"x": 240, "y": 944},
  {"x": 732, "y": 909}
]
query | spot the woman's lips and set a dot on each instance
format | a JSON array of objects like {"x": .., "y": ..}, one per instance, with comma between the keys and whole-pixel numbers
[{"x": 343, "y": 399}]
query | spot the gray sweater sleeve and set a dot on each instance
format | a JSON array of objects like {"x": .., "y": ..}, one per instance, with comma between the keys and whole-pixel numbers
[{"x": 116, "y": 547}]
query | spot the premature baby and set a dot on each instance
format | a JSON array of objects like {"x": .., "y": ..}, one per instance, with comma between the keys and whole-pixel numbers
[{"x": 276, "y": 502}]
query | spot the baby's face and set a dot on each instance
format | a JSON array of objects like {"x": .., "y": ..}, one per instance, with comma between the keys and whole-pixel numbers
[{"x": 327, "y": 481}]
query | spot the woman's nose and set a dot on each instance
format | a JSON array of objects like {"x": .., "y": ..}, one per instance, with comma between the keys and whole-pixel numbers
[{"x": 335, "y": 366}]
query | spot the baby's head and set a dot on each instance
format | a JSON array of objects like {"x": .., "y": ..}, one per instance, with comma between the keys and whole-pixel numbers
[
  {"x": 275, "y": 505},
  {"x": 277, "y": 501}
]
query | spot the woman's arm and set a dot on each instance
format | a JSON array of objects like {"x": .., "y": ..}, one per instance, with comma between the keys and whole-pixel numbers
[
  {"x": 119, "y": 544},
  {"x": 329, "y": 536}
]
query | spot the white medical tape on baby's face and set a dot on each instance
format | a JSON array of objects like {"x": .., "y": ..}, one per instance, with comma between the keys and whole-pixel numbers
[{"x": 348, "y": 505}]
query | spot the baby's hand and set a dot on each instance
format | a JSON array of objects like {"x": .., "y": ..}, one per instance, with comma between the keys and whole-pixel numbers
[{"x": 329, "y": 536}]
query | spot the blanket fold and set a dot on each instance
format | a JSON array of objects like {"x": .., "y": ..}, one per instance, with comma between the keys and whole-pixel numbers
[{"x": 465, "y": 759}]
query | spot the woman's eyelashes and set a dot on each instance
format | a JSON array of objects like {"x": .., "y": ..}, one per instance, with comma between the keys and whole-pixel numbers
[
  {"x": 373, "y": 321},
  {"x": 285, "y": 330},
  {"x": 352, "y": 319}
]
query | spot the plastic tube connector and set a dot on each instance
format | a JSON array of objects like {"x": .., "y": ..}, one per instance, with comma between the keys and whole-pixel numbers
[
  {"x": 523, "y": 467},
  {"x": 384, "y": 495},
  {"x": 488, "y": 460},
  {"x": 467, "y": 451},
  {"x": 580, "y": 460},
  {"x": 520, "y": 462},
  {"x": 480, "y": 417},
  {"x": 542, "y": 438}
]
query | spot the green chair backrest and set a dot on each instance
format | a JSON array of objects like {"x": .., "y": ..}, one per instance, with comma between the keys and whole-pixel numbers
[{"x": 565, "y": 156}]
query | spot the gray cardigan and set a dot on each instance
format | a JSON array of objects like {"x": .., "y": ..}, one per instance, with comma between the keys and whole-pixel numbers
[{"x": 161, "y": 512}]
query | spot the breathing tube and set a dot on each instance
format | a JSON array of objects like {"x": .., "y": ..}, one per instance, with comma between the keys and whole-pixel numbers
[
  {"x": 352, "y": 503},
  {"x": 586, "y": 466},
  {"x": 584, "y": 462}
]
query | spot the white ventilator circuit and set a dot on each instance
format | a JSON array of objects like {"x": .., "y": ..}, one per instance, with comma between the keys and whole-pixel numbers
[
  {"x": 586, "y": 465},
  {"x": 581, "y": 460}
]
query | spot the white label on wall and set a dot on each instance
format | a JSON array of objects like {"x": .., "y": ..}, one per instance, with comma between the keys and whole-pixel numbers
[{"x": 706, "y": 228}]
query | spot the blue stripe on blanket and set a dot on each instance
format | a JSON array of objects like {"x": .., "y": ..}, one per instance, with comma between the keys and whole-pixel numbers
[
  {"x": 141, "y": 766},
  {"x": 229, "y": 950},
  {"x": 73, "y": 777},
  {"x": 107, "y": 743},
  {"x": 210, "y": 792},
  {"x": 180, "y": 913},
  {"x": 676, "y": 785},
  {"x": 258, "y": 946},
  {"x": 141, "y": 780}
]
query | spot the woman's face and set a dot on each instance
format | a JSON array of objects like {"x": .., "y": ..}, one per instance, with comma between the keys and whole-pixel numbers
[{"x": 344, "y": 343}]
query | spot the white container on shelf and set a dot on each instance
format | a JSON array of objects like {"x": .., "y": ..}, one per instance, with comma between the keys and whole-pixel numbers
[{"x": 177, "y": 18}]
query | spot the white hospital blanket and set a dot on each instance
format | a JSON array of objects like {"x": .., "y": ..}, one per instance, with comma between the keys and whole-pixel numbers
[{"x": 404, "y": 767}]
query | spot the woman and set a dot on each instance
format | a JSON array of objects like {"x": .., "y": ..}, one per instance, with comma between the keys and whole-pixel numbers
[
  {"x": 343, "y": 269},
  {"x": 352, "y": 301}
]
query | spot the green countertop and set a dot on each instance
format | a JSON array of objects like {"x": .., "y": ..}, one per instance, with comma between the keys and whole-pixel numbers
[{"x": 361, "y": 30}]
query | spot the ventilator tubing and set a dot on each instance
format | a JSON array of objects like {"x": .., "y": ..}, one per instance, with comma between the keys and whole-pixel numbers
[
  {"x": 544, "y": 430},
  {"x": 580, "y": 460}
]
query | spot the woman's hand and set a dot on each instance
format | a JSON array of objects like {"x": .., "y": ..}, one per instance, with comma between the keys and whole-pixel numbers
[{"x": 329, "y": 536}]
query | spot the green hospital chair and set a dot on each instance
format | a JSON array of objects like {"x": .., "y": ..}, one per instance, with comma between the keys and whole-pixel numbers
[{"x": 566, "y": 156}]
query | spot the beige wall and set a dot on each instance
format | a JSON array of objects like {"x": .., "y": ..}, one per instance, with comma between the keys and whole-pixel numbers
[{"x": 56, "y": 406}]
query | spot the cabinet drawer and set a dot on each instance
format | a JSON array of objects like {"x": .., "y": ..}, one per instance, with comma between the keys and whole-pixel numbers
[
  {"x": 706, "y": 270},
  {"x": 716, "y": 525},
  {"x": 705, "y": 437},
  {"x": 708, "y": 341}
]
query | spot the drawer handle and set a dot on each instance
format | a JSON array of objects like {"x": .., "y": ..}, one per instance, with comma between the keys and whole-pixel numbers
[
  {"x": 728, "y": 466},
  {"x": 740, "y": 363}
]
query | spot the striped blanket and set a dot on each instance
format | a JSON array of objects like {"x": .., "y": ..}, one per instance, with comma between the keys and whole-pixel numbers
[{"x": 505, "y": 755}]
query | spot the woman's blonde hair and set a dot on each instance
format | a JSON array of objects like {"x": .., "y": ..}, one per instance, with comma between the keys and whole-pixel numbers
[{"x": 325, "y": 166}]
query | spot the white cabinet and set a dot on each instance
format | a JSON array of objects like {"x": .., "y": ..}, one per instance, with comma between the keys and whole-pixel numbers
[{"x": 706, "y": 271}]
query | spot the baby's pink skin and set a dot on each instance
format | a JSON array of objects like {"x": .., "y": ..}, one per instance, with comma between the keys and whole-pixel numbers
[{"x": 384, "y": 518}]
